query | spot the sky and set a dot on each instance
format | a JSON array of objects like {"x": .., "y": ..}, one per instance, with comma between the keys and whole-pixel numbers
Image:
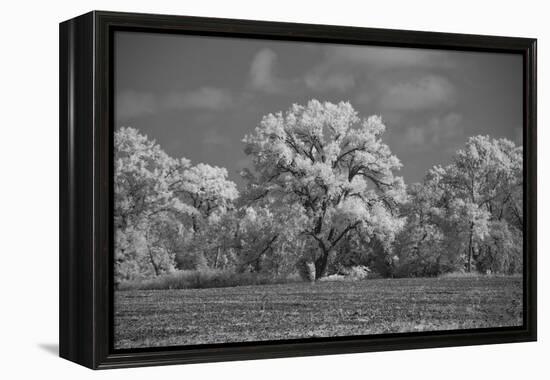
[{"x": 199, "y": 96}]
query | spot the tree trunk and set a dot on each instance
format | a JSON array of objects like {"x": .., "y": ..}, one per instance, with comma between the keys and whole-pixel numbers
[
  {"x": 155, "y": 266},
  {"x": 321, "y": 264},
  {"x": 470, "y": 249},
  {"x": 195, "y": 227},
  {"x": 150, "y": 252},
  {"x": 217, "y": 258}
]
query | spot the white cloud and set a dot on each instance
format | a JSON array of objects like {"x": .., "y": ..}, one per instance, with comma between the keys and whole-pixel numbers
[
  {"x": 423, "y": 93},
  {"x": 318, "y": 81},
  {"x": 386, "y": 57},
  {"x": 209, "y": 98},
  {"x": 342, "y": 67},
  {"x": 130, "y": 104},
  {"x": 261, "y": 72},
  {"x": 437, "y": 131}
]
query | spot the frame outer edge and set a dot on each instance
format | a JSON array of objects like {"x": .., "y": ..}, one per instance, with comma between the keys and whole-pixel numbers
[
  {"x": 531, "y": 229},
  {"x": 66, "y": 325},
  {"x": 85, "y": 169},
  {"x": 102, "y": 190},
  {"x": 76, "y": 256}
]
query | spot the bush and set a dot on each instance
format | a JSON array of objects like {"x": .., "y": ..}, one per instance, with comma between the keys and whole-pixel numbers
[
  {"x": 461, "y": 274},
  {"x": 354, "y": 273},
  {"x": 335, "y": 278},
  {"x": 205, "y": 278},
  {"x": 357, "y": 272},
  {"x": 475, "y": 274}
]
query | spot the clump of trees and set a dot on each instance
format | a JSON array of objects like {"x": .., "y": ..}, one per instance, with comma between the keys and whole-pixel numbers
[
  {"x": 467, "y": 215},
  {"x": 163, "y": 207},
  {"x": 323, "y": 196}
]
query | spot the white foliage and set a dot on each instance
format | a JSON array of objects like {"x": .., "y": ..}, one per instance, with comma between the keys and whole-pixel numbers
[{"x": 327, "y": 159}]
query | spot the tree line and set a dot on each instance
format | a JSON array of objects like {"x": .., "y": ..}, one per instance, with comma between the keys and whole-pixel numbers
[{"x": 322, "y": 196}]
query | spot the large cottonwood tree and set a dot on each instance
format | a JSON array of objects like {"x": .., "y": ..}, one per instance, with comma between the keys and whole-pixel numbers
[{"x": 333, "y": 168}]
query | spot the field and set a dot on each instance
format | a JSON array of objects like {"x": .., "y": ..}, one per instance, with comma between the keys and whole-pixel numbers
[{"x": 149, "y": 318}]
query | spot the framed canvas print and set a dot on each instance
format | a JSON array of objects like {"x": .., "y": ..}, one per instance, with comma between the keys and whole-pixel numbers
[{"x": 236, "y": 189}]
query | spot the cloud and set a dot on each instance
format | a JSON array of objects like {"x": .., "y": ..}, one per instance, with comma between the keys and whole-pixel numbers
[
  {"x": 437, "y": 131},
  {"x": 319, "y": 81},
  {"x": 131, "y": 104},
  {"x": 423, "y": 93},
  {"x": 386, "y": 57},
  {"x": 261, "y": 72},
  {"x": 208, "y": 98},
  {"x": 342, "y": 67}
]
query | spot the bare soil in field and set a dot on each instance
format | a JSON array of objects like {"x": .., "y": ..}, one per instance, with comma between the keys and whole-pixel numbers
[{"x": 153, "y": 318}]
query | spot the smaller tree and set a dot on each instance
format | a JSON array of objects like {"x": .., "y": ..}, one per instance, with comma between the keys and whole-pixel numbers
[
  {"x": 144, "y": 176},
  {"x": 270, "y": 241},
  {"x": 502, "y": 252},
  {"x": 211, "y": 195},
  {"x": 208, "y": 190},
  {"x": 420, "y": 246},
  {"x": 144, "y": 203},
  {"x": 483, "y": 179},
  {"x": 472, "y": 204},
  {"x": 162, "y": 241}
]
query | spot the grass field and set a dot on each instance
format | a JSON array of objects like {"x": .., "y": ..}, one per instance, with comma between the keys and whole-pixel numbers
[{"x": 149, "y": 318}]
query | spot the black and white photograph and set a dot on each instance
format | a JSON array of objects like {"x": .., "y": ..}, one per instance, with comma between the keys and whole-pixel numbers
[
  {"x": 275, "y": 190},
  {"x": 269, "y": 190}
]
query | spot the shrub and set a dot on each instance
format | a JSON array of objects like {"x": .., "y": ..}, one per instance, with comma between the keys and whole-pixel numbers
[
  {"x": 474, "y": 274},
  {"x": 354, "y": 273},
  {"x": 204, "y": 278},
  {"x": 335, "y": 278},
  {"x": 357, "y": 272},
  {"x": 461, "y": 274}
]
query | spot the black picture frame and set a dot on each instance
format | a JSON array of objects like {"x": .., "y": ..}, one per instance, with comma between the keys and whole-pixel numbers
[{"x": 86, "y": 188}]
